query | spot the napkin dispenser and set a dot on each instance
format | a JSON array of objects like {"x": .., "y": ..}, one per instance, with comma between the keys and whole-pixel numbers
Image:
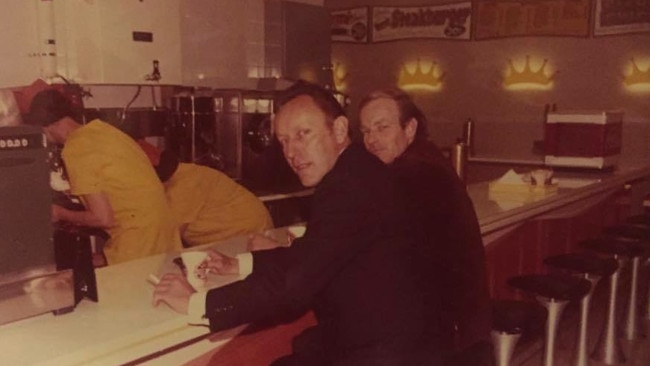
[
  {"x": 583, "y": 139},
  {"x": 522, "y": 187}
]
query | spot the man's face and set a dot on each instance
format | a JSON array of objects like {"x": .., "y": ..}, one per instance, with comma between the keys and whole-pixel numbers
[
  {"x": 383, "y": 135},
  {"x": 53, "y": 134},
  {"x": 309, "y": 145}
]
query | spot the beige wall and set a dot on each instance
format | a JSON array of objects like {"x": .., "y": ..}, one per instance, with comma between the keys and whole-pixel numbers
[{"x": 589, "y": 76}]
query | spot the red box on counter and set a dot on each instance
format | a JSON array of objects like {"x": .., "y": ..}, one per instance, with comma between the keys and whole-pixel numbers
[{"x": 583, "y": 139}]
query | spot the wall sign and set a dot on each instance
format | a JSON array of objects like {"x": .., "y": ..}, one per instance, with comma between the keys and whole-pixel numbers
[
  {"x": 350, "y": 25},
  {"x": 451, "y": 21},
  {"x": 510, "y": 18},
  {"x": 622, "y": 16}
]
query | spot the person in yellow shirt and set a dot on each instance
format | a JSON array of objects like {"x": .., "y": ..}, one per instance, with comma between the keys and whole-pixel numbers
[
  {"x": 208, "y": 205},
  {"x": 118, "y": 186}
]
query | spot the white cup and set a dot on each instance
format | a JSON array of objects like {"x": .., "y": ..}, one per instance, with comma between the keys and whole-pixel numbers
[
  {"x": 541, "y": 177},
  {"x": 196, "y": 268}
]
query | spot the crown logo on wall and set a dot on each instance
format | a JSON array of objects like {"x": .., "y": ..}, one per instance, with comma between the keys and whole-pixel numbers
[
  {"x": 527, "y": 78},
  {"x": 340, "y": 76},
  {"x": 418, "y": 79},
  {"x": 636, "y": 76}
]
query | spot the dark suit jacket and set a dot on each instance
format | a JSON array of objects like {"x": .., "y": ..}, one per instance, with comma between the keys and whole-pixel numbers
[
  {"x": 440, "y": 203},
  {"x": 356, "y": 266}
]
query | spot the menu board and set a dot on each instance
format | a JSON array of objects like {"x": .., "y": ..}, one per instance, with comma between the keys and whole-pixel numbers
[
  {"x": 510, "y": 18},
  {"x": 350, "y": 25},
  {"x": 622, "y": 16},
  {"x": 450, "y": 21}
]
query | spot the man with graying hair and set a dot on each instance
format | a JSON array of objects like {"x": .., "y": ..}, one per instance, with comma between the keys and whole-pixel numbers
[
  {"x": 394, "y": 130},
  {"x": 356, "y": 266}
]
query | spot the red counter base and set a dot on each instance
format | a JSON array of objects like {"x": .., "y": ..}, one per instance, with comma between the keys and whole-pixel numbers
[
  {"x": 523, "y": 250},
  {"x": 259, "y": 348}
]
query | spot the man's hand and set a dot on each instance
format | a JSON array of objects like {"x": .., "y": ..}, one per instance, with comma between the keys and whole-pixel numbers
[
  {"x": 174, "y": 290},
  {"x": 57, "y": 212},
  {"x": 261, "y": 242},
  {"x": 222, "y": 264}
]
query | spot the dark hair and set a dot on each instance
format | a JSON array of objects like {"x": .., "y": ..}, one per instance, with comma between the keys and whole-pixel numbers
[
  {"x": 167, "y": 165},
  {"x": 323, "y": 98},
  {"x": 49, "y": 106},
  {"x": 406, "y": 107}
]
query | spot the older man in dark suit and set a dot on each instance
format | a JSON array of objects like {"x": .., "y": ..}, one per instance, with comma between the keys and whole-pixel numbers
[
  {"x": 394, "y": 130},
  {"x": 356, "y": 266}
]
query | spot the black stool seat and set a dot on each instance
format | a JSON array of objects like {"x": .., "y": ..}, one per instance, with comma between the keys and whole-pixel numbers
[
  {"x": 515, "y": 317},
  {"x": 552, "y": 286},
  {"x": 583, "y": 263},
  {"x": 628, "y": 232},
  {"x": 614, "y": 246},
  {"x": 642, "y": 219}
]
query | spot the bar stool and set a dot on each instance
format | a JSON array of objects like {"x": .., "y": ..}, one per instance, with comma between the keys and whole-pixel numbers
[
  {"x": 642, "y": 220},
  {"x": 639, "y": 236},
  {"x": 591, "y": 268},
  {"x": 510, "y": 320},
  {"x": 554, "y": 292},
  {"x": 608, "y": 348}
]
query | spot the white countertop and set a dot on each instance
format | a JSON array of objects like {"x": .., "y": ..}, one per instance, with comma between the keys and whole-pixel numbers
[
  {"x": 123, "y": 326},
  {"x": 495, "y": 215}
]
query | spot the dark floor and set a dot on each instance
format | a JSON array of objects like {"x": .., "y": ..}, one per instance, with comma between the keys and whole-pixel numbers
[{"x": 637, "y": 352}]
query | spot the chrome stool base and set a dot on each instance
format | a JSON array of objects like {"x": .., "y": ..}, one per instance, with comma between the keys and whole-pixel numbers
[
  {"x": 608, "y": 350},
  {"x": 504, "y": 346}
]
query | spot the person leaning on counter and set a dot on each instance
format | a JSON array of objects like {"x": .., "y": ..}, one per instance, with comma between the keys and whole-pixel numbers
[
  {"x": 355, "y": 266},
  {"x": 117, "y": 185},
  {"x": 207, "y": 204},
  {"x": 394, "y": 130}
]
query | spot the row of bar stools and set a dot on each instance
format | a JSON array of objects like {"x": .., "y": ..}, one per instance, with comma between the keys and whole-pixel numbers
[
  {"x": 608, "y": 349},
  {"x": 554, "y": 292},
  {"x": 592, "y": 268},
  {"x": 637, "y": 236},
  {"x": 510, "y": 320}
]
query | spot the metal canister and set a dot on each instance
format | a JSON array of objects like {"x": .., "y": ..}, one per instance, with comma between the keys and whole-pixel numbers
[
  {"x": 459, "y": 158},
  {"x": 468, "y": 135}
]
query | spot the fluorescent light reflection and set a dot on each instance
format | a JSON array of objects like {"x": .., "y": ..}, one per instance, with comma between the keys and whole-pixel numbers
[
  {"x": 527, "y": 75},
  {"x": 636, "y": 76},
  {"x": 416, "y": 75}
]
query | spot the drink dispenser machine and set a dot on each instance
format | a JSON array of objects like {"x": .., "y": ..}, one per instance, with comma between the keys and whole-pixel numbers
[{"x": 231, "y": 131}]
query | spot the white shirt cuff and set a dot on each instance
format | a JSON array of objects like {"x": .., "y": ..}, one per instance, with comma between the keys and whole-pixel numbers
[
  {"x": 196, "y": 309},
  {"x": 245, "y": 261}
]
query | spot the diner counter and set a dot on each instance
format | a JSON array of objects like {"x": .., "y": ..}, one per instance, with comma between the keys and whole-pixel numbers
[
  {"x": 574, "y": 188},
  {"x": 124, "y": 328}
]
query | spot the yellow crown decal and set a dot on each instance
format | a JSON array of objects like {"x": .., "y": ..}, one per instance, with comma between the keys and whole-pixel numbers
[
  {"x": 340, "y": 75},
  {"x": 527, "y": 78},
  {"x": 636, "y": 76},
  {"x": 415, "y": 78}
]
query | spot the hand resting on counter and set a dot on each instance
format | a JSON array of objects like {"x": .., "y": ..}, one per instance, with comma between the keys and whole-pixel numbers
[
  {"x": 270, "y": 239},
  {"x": 261, "y": 242},
  {"x": 221, "y": 264},
  {"x": 174, "y": 290}
]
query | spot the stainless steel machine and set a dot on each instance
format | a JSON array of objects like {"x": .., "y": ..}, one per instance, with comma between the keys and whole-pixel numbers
[
  {"x": 231, "y": 131},
  {"x": 30, "y": 283}
]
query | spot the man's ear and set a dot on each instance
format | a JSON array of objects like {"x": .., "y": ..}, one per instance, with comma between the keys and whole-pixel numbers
[
  {"x": 340, "y": 129},
  {"x": 411, "y": 128}
]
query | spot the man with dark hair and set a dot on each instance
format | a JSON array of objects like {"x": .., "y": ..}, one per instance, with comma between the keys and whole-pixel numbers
[
  {"x": 117, "y": 185},
  {"x": 355, "y": 266},
  {"x": 394, "y": 129}
]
